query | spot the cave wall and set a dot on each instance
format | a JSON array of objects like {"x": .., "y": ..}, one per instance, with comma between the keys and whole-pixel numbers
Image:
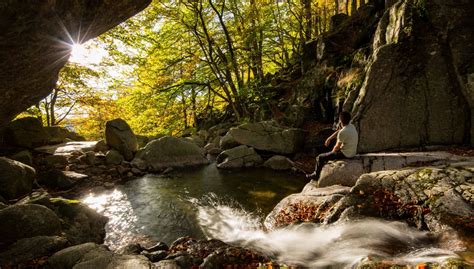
[{"x": 34, "y": 38}]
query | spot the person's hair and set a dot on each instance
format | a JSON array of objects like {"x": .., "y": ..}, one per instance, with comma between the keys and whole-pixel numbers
[{"x": 345, "y": 117}]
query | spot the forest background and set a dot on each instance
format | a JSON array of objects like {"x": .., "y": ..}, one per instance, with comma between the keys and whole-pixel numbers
[{"x": 179, "y": 63}]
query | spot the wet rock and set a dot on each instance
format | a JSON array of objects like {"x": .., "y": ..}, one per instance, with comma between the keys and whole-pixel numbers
[
  {"x": 139, "y": 163},
  {"x": 16, "y": 179},
  {"x": 158, "y": 246},
  {"x": 310, "y": 205},
  {"x": 241, "y": 156},
  {"x": 28, "y": 249},
  {"x": 170, "y": 151},
  {"x": 61, "y": 180},
  {"x": 113, "y": 157},
  {"x": 26, "y": 132},
  {"x": 82, "y": 224},
  {"x": 156, "y": 256},
  {"x": 269, "y": 136},
  {"x": 24, "y": 221},
  {"x": 167, "y": 264},
  {"x": 228, "y": 142},
  {"x": 279, "y": 163},
  {"x": 68, "y": 257},
  {"x": 68, "y": 148},
  {"x": 24, "y": 157},
  {"x": 54, "y": 160},
  {"x": 424, "y": 197},
  {"x": 120, "y": 136},
  {"x": 130, "y": 249}
]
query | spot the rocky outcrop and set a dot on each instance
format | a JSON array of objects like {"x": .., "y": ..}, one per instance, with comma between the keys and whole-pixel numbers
[
  {"x": 120, "y": 136},
  {"x": 16, "y": 179},
  {"x": 26, "y": 132},
  {"x": 417, "y": 91},
  {"x": 238, "y": 157},
  {"x": 167, "y": 152},
  {"x": 24, "y": 221},
  {"x": 269, "y": 136},
  {"x": 36, "y": 43},
  {"x": 346, "y": 171},
  {"x": 279, "y": 163},
  {"x": 438, "y": 198}
]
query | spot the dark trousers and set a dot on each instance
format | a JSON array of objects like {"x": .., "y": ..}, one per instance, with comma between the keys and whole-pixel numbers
[{"x": 323, "y": 158}]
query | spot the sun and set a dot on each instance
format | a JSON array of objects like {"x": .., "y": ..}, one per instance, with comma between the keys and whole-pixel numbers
[
  {"x": 78, "y": 53},
  {"x": 87, "y": 54}
]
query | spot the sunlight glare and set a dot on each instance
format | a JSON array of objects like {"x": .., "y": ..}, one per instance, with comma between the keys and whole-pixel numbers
[
  {"x": 87, "y": 54},
  {"x": 78, "y": 53}
]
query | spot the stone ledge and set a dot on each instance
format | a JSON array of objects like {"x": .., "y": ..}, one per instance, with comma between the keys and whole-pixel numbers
[{"x": 346, "y": 171}]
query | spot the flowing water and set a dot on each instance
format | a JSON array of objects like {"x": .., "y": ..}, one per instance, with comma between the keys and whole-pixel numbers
[{"x": 230, "y": 206}]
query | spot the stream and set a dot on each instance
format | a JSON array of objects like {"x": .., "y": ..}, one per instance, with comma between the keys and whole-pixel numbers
[{"x": 230, "y": 206}]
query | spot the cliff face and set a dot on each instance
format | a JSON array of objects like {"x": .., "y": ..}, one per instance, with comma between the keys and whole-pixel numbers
[
  {"x": 35, "y": 38},
  {"x": 416, "y": 90},
  {"x": 405, "y": 70}
]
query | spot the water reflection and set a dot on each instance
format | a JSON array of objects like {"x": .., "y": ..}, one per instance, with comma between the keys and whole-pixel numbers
[{"x": 160, "y": 208}]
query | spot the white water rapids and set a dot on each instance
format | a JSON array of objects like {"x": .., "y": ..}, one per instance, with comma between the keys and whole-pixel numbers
[{"x": 339, "y": 245}]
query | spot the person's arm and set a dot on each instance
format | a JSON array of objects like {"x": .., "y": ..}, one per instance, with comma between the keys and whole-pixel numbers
[
  {"x": 331, "y": 138},
  {"x": 337, "y": 147}
]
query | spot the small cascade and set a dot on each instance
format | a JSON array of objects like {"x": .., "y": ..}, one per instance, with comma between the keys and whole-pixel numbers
[{"x": 314, "y": 245}]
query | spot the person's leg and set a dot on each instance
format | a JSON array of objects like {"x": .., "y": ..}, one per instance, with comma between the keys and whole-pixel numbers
[{"x": 322, "y": 159}]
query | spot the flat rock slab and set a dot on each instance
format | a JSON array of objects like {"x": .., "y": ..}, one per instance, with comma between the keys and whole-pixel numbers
[
  {"x": 346, "y": 171},
  {"x": 68, "y": 148}
]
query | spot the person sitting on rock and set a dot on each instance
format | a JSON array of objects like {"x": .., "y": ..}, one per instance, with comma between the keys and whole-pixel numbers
[{"x": 346, "y": 145}]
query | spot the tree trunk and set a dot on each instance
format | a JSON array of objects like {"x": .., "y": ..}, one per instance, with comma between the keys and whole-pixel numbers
[
  {"x": 353, "y": 7},
  {"x": 336, "y": 7},
  {"x": 52, "y": 106},
  {"x": 308, "y": 20}
]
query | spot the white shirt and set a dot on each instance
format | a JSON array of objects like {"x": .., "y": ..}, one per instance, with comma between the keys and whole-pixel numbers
[{"x": 349, "y": 138}]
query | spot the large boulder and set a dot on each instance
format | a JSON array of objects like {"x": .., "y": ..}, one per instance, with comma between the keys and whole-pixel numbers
[
  {"x": 24, "y": 157},
  {"x": 82, "y": 223},
  {"x": 28, "y": 249},
  {"x": 36, "y": 41},
  {"x": 61, "y": 180},
  {"x": 24, "y": 221},
  {"x": 119, "y": 136},
  {"x": 417, "y": 89},
  {"x": 16, "y": 179},
  {"x": 170, "y": 151},
  {"x": 60, "y": 135},
  {"x": 440, "y": 198},
  {"x": 269, "y": 136},
  {"x": 238, "y": 157},
  {"x": 26, "y": 132},
  {"x": 90, "y": 255},
  {"x": 312, "y": 204}
]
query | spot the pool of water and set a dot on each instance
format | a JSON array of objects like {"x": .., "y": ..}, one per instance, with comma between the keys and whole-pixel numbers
[{"x": 163, "y": 208}]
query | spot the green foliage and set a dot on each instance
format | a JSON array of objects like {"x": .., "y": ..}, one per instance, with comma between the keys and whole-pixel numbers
[{"x": 181, "y": 62}]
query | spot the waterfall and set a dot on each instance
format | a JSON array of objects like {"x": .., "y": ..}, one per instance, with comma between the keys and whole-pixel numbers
[{"x": 342, "y": 244}]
